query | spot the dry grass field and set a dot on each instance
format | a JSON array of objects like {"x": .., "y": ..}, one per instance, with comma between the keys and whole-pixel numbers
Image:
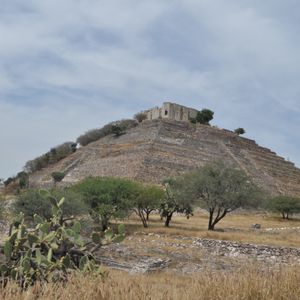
[
  {"x": 234, "y": 227},
  {"x": 248, "y": 281},
  {"x": 245, "y": 284}
]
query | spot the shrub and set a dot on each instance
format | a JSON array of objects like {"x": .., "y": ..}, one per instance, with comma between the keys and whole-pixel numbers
[
  {"x": 140, "y": 117},
  {"x": 239, "y": 131},
  {"x": 32, "y": 202},
  {"x": 99, "y": 133},
  {"x": 204, "y": 116},
  {"x": 54, "y": 155},
  {"x": 58, "y": 176},
  {"x": 50, "y": 250}
]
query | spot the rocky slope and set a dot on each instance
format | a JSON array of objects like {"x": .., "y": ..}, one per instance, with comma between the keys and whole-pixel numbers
[{"x": 163, "y": 148}]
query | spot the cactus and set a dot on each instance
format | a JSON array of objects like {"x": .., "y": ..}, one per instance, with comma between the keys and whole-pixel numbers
[{"x": 51, "y": 249}]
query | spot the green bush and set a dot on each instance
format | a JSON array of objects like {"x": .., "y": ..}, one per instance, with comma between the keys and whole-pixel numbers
[
  {"x": 58, "y": 176},
  {"x": 107, "y": 197},
  {"x": 51, "y": 250},
  {"x": 32, "y": 202},
  {"x": 239, "y": 131},
  {"x": 204, "y": 116}
]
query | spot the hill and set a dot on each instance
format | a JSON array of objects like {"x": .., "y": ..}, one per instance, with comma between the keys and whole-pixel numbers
[{"x": 161, "y": 148}]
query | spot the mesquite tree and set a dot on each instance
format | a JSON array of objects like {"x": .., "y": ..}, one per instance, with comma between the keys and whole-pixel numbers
[
  {"x": 176, "y": 200},
  {"x": 220, "y": 189}
]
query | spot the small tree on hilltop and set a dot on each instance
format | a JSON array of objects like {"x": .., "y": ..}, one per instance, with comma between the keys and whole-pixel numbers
[
  {"x": 204, "y": 116},
  {"x": 220, "y": 189},
  {"x": 285, "y": 205},
  {"x": 239, "y": 131}
]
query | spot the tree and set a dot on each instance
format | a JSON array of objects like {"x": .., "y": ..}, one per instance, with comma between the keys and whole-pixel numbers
[
  {"x": 285, "y": 205},
  {"x": 148, "y": 199},
  {"x": 204, "y": 116},
  {"x": 58, "y": 176},
  {"x": 107, "y": 197},
  {"x": 176, "y": 200},
  {"x": 221, "y": 189},
  {"x": 239, "y": 131},
  {"x": 140, "y": 117}
]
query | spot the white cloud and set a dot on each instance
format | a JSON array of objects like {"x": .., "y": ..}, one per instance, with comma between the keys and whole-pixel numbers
[{"x": 67, "y": 66}]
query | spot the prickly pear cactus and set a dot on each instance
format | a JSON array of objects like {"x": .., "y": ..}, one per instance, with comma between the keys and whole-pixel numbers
[{"x": 52, "y": 249}]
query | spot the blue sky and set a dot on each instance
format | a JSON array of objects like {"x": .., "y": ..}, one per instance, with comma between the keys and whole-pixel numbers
[{"x": 69, "y": 66}]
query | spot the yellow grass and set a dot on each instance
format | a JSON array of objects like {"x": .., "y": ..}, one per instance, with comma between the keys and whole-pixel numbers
[
  {"x": 236, "y": 228},
  {"x": 243, "y": 284}
]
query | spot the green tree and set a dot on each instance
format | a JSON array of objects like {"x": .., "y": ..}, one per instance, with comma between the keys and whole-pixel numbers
[
  {"x": 221, "y": 189},
  {"x": 239, "y": 131},
  {"x": 107, "y": 197},
  {"x": 285, "y": 205},
  {"x": 147, "y": 199},
  {"x": 176, "y": 200},
  {"x": 204, "y": 116}
]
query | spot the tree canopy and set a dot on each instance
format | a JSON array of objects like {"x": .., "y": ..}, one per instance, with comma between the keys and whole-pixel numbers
[{"x": 220, "y": 189}]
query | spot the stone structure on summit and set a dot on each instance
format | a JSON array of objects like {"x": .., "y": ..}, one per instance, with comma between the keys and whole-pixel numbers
[{"x": 171, "y": 111}]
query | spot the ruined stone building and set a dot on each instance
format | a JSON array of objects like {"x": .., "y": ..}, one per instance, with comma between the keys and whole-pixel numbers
[{"x": 171, "y": 111}]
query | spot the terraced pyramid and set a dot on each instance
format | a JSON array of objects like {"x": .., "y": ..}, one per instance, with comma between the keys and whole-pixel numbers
[{"x": 162, "y": 148}]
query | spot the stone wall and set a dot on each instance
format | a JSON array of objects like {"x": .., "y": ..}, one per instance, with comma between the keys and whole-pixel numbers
[{"x": 171, "y": 111}]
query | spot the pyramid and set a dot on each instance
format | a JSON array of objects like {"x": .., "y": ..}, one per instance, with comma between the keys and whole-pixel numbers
[{"x": 161, "y": 148}]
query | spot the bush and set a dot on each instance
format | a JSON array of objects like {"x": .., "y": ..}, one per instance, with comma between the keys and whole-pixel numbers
[
  {"x": 97, "y": 134},
  {"x": 239, "y": 131},
  {"x": 204, "y": 116},
  {"x": 58, "y": 176},
  {"x": 50, "y": 250},
  {"x": 54, "y": 155},
  {"x": 140, "y": 117},
  {"x": 32, "y": 202}
]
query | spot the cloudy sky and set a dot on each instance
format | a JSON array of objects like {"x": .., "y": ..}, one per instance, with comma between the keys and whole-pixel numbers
[{"x": 69, "y": 66}]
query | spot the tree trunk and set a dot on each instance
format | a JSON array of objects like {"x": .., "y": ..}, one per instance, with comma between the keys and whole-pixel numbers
[
  {"x": 147, "y": 215},
  {"x": 168, "y": 219},
  {"x": 143, "y": 219},
  {"x": 213, "y": 221}
]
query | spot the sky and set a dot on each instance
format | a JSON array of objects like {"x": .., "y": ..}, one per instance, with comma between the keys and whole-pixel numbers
[{"x": 73, "y": 65}]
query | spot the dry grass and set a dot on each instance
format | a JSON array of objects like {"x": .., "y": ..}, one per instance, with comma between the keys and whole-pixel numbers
[
  {"x": 236, "y": 228},
  {"x": 243, "y": 284}
]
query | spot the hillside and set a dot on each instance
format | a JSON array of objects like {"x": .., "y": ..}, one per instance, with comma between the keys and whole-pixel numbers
[{"x": 158, "y": 149}]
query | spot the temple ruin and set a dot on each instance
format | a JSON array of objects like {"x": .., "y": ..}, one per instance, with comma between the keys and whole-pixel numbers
[{"x": 171, "y": 111}]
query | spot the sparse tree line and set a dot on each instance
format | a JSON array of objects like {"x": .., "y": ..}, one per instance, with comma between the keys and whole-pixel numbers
[{"x": 217, "y": 188}]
